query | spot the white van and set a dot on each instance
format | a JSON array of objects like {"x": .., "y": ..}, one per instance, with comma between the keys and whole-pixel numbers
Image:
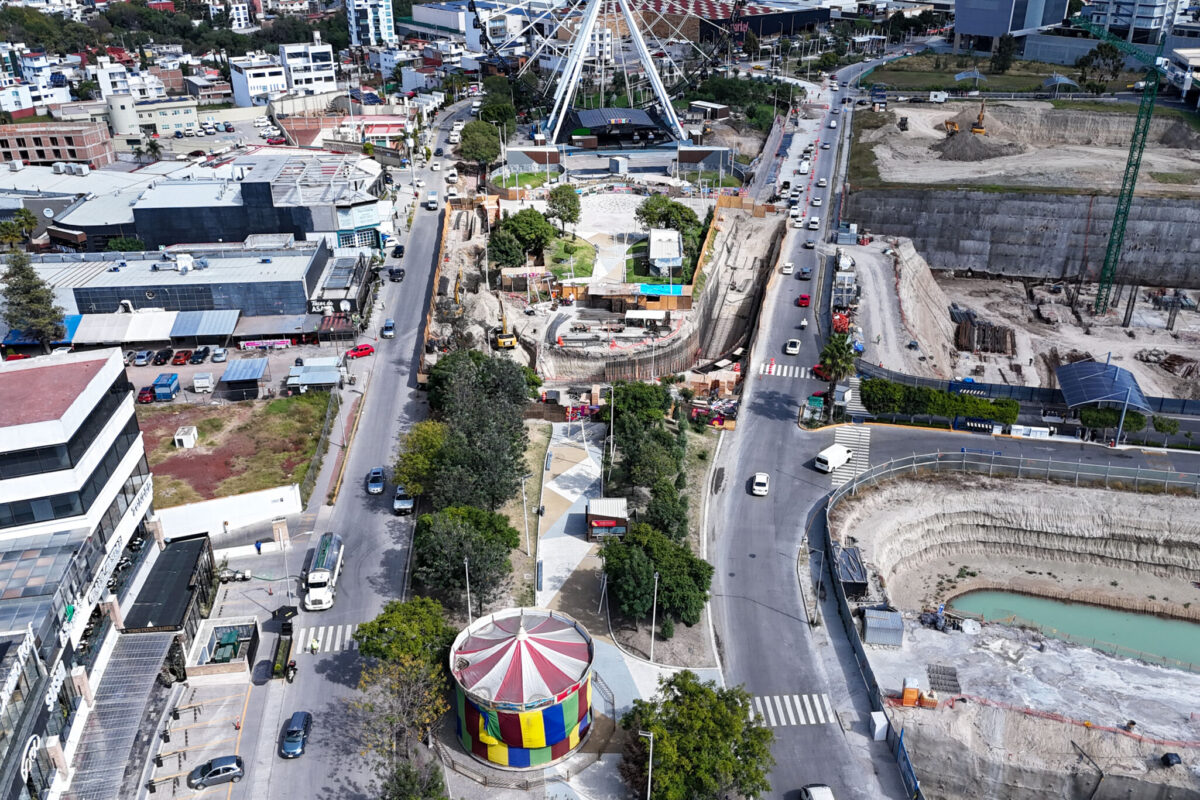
[
  {"x": 431, "y": 201},
  {"x": 814, "y": 223},
  {"x": 832, "y": 457}
]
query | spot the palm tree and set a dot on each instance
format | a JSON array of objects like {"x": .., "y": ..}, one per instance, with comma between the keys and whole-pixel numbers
[
  {"x": 154, "y": 149},
  {"x": 139, "y": 153},
  {"x": 11, "y": 233},
  {"x": 26, "y": 219},
  {"x": 837, "y": 359}
]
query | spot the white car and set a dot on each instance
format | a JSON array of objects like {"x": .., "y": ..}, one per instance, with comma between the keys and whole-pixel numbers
[
  {"x": 822, "y": 183},
  {"x": 419, "y": 182},
  {"x": 816, "y": 201},
  {"x": 219, "y": 354},
  {"x": 797, "y": 222},
  {"x": 761, "y": 484},
  {"x": 792, "y": 348},
  {"x": 788, "y": 268},
  {"x": 261, "y": 122},
  {"x": 436, "y": 166}
]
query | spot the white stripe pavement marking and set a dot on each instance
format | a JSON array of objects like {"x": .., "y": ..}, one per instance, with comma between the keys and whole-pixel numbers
[
  {"x": 828, "y": 707},
  {"x": 787, "y": 704},
  {"x": 807, "y": 707},
  {"x": 757, "y": 711},
  {"x": 817, "y": 706},
  {"x": 779, "y": 707},
  {"x": 799, "y": 709},
  {"x": 770, "y": 712}
]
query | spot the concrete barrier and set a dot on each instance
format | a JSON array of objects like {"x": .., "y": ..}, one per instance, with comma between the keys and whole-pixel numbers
[{"x": 217, "y": 517}]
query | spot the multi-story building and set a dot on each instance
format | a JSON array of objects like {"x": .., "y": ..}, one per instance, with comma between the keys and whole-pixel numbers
[
  {"x": 164, "y": 116},
  {"x": 239, "y": 13},
  {"x": 371, "y": 23},
  {"x": 309, "y": 68},
  {"x": 1134, "y": 20},
  {"x": 75, "y": 492},
  {"x": 257, "y": 79},
  {"x": 288, "y": 7},
  {"x": 49, "y": 142},
  {"x": 208, "y": 90},
  {"x": 115, "y": 78},
  {"x": 30, "y": 82}
]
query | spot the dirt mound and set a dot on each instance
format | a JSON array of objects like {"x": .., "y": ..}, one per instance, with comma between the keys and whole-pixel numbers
[
  {"x": 1179, "y": 134},
  {"x": 970, "y": 115},
  {"x": 968, "y": 146}
]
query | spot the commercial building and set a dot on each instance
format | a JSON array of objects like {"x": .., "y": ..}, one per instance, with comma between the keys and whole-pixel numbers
[
  {"x": 257, "y": 79},
  {"x": 130, "y": 117},
  {"x": 47, "y": 143},
  {"x": 309, "y": 68},
  {"x": 238, "y": 14},
  {"x": 979, "y": 24},
  {"x": 75, "y": 493},
  {"x": 371, "y": 23},
  {"x": 1138, "y": 21},
  {"x": 1183, "y": 72},
  {"x": 306, "y": 196}
]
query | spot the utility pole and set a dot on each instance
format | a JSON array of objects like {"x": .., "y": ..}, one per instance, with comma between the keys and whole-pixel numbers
[
  {"x": 467, "y": 569},
  {"x": 649, "y": 762},
  {"x": 653, "y": 619},
  {"x": 525, "y": 514}
]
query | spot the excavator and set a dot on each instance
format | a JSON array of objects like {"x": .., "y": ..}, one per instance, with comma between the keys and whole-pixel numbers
[
  {"x": 951, "y": 127},
  {"x": 502, "y": 337},
  {"x": 978, "y": 128}
]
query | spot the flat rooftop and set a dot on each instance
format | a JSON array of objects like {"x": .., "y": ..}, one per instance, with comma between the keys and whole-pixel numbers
[
  {"x": 55, "y": 381},
  {"x": 96, "y": 270},
  {"x": 164, "y": 597}
]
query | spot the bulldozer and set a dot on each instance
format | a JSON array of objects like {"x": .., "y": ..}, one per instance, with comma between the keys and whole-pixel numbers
[
  {"x": 978, "y": 128},
  {"x": 951, "y": 127},
  {"x": 502, "y": 337}
]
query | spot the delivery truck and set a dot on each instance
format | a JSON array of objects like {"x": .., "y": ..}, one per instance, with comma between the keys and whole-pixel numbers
[{"x": 321, "y": 581}]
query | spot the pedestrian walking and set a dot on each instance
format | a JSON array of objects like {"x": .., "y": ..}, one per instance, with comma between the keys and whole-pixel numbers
[{"x": 315, "y": 646}]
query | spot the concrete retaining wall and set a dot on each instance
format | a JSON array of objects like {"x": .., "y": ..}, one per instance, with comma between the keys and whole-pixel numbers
[
  {"x": 214, "y": 517},
  {"x": 1026, "y": 234}
]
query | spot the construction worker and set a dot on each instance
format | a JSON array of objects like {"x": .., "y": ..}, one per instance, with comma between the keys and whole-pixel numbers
[{"x": 315, "y": 646}]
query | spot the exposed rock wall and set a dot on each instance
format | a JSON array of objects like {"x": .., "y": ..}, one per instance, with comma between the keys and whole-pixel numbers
[{"x": 1022, "y": 234}]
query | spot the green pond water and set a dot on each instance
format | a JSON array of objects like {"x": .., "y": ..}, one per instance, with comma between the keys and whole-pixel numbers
[{"x": 1120, "y": 632}]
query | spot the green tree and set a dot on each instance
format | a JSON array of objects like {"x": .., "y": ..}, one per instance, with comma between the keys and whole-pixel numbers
[
  {"x": 1003, "y": 54},
  {"x": 1167, "y": 426},
  {"x": 26, "y": 220},
  {"x": 706, "y": 744},
  {"x": 154, "y": 149},
  {"x": 504, "y": 249},
  {"x": 501, "y": 113},
  {"x": 409, "y": 781},
  {"x": 531, "y": 229},
  {"x": 1101, "y": 66},
  {"x": 660, "y": 211},
  {"x": 750, "y": 45},
  {"x": 11, "y": 232},
  {"x": 420, "y": 454},
  {"x": 125, "y": 244},
  {"x": 563, "y": 204},
  {"x": 1074, "y": 7},
  {"x": 415, "y": 629},
  {"x": 480, "y": 143},
  {"x": 684, "y": 579},
  {"x": 139, "y": 153},
  {"x": 837, "y": 358},
  {"x": 667, "y": 510},
  {"x": 29, "y": 304},
  {"x": 398, "y": 701},
  {"x": 630, "y": 578},
  {"x": 443, "y": 541},
  {"x": 85, "y": 89}
]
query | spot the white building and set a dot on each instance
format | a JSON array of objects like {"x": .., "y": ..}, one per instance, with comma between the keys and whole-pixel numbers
[
  {"x": 239, "y": 14},
  {"x": 257, "y": 79},
  {"x": 114, "y": 78},
  {"x": 309, "y": 68},
  {"x": 127, "y": 117},
  {"x": 371, "y": 23},
  {"x": 288, "y": 7},
  {"x": 384, "y": 60}
]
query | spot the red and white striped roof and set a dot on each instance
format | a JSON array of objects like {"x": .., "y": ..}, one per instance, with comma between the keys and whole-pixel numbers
[
  {"x": 521, "y": 656},
  {"x": 708, "y": 9}
]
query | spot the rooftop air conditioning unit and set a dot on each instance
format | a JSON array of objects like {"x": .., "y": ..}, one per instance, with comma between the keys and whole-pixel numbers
[
  {"x": 58, "y": 168},
  {"x": 16, "y": 166},
  {"x": 82, "y": 169}
]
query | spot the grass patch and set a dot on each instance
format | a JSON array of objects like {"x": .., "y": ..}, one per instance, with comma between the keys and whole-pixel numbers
[
  {"x": 210, "y": 427},
  {"x": 524, "y": 567},
  {"x": 170, "y": 491},
  {"x": 1182, "y": 178},
  {"x": 34, "y": 119},
  {"x": 933, "y": 72},
  {"x": 862, "y": 168},
  {"x": 637, "y": 265},
  {"x": 524, "y": 180},
  {"x": 713, "y": 178},
  {"x": 583, "y": 257}
]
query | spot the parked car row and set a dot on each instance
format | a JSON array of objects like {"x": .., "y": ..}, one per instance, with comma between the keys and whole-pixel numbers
[{"x": 158, "y": 358}]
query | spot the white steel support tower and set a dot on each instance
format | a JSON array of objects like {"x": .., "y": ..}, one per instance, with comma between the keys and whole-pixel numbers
[{"x": 568, "y": 83}]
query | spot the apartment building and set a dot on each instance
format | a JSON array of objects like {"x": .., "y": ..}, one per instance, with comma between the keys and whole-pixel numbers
[
  {"x": 309, "y": 67},
  {"x": 46, "y": 143},
  {"x": 257, "y": 79},
  {"x": 75, "y": 492},
  {"x": 371, "y": 23},
  {"x": 114, "y": 77},
  {"x": 239, "y": 14},
  {"x": 208, "y": 90}
]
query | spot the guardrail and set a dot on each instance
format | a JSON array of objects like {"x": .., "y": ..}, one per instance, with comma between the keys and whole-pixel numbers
[{"x": 985, "y": 463}]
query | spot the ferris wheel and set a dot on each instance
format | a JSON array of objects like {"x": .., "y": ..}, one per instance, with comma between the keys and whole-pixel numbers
[{"x": 625, "y": 53}]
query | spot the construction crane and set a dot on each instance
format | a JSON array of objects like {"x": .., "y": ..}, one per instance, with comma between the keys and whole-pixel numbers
[
  {"x": 978, "y": 128},
  {"x": 1137, "y": 145},
  {"x": 502, "y": 337}
]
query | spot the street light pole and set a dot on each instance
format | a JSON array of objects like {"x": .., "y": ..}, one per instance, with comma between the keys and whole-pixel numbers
[
  {"x": 653, "y": 620},
  {"x": 649, "y": 762},
  {"x": 525, "y": 514},
  {"x": 467, "y": 569}
]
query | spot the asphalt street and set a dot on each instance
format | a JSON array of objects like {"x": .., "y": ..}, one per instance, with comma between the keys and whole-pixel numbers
[{"x": 377, "y": 542}]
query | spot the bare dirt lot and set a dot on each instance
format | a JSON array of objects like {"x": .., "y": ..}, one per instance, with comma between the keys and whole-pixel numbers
[
  {"x": 1032, "y": 144},
  {"x": 242, "y": 447}
]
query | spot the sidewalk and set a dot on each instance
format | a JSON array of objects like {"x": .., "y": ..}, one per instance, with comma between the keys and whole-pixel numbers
[{"x": 573, "y": 479}]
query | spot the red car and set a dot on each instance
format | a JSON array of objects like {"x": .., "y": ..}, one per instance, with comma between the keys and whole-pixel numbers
[
  {"x": 277, "y": 140},
  {"x": 181, "y": 357},
  {"x": 803, "y": 301},
  {"x": 146, "y": 394},
  {"x": 820, "y": 372},
  {"x": 360, "y": 350}
]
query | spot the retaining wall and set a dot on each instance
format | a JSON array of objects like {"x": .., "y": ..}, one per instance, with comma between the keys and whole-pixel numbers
[{"x": 1036, "y": 235}]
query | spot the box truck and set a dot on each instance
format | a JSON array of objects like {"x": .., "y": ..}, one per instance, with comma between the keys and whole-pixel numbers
[{"x": 321, "y": 581}]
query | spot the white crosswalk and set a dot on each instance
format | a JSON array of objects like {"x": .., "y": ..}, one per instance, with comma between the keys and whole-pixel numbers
[
  {"x": 785, "y": 370},
  {"x": 329, "y": 638},
  {"x": 784, "y": 710},
  {"x": 858, "y": 439}
]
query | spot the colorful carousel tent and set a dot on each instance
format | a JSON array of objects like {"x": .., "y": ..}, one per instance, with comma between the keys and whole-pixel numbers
[{"x": 523, "y": 687}]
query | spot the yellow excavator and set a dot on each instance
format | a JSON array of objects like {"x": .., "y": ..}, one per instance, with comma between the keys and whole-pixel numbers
[
  {"x": 951, "y": 127},
  {"x": 502, "y": 337},
  {"x": 978, "y": 128}
]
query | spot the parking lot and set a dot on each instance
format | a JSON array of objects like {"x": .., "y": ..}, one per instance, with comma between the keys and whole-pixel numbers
[{"x": 205, "y": 724}]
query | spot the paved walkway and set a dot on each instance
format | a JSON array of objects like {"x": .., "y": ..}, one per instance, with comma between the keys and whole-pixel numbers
[{"x": 573, "y": 479}]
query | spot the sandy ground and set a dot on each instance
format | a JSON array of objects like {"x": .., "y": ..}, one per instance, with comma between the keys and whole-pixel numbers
[{"x": 1059, "y": 148}]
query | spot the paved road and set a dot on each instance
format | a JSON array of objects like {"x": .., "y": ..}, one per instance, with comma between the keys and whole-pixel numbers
[{"x": 377, "y": 543}]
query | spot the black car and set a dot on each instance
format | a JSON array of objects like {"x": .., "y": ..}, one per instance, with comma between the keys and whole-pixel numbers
[
  {"x": 295, "y": 735},
  {"x": 201, "y": 355},
  {"x": 439, "y": 152},
  {"x": 398, "y": 251},
  {"x": 396, "y": 274},
  {"x": 163, "y": 356}
]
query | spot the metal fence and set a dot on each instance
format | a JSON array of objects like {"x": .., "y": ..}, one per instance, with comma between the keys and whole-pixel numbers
[
  {"x": 991, "y": 464},
  {"x": 314, "y": 464}
]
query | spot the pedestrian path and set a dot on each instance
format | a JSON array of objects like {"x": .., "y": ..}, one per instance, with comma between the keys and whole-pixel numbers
[
  {"x": 784, "y": 710},
  {"x": 785, "y": 370},
  {"x": 854, "y": 406},
  {"x": 573, "y": 479},
  {"x": 330, "y": 638},
  {"x": 858, "y": 439}
]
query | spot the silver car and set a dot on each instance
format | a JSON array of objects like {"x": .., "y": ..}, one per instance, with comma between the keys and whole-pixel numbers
[{"x": 219, "y": 354}]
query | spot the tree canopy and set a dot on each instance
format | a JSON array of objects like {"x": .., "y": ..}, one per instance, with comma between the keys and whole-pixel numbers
[
  {"x": 480, "y": 143},
  {"x": 413, "y": 629},
  {"x": 683, "y": 578},
  {"x": 660, "y": 211},
  {"x": 398, "y": 701},
  {"x": 29, "y": 304},
  {"x": 563, "y": 203},
  {"x": 420, "y": 454},
  {"x": 443, "y": 540},
  {"x": 706, "y": 744},
  {"x": 409, "y": 781},
  {"x": 1003, "y": 55},
  {"x": 837, "y": 357},
  {"x": 530, "y": 228},
  {"x": 504, "y": 249}
]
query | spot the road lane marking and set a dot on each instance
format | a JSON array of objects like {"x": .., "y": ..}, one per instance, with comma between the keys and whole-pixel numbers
[
  {"x": 807, "y": 707},
  {"x": 828, "y": 707},
  {"x": 787, "y": 704}
]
